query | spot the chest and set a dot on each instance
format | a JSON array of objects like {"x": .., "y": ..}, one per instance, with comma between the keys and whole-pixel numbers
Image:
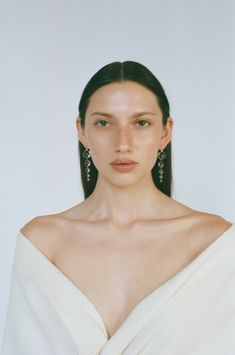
[{"x": 117, "y": 275}]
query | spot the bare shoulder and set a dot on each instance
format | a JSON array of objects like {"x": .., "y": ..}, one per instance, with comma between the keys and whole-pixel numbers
[
  {"x": 42, "y": 232},
  {"x": 213, "y": 221},
  {"x": 208, "y": 227}
]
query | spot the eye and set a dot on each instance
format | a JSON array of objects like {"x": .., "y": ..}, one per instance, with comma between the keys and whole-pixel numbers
[
  {"x": 144, "y": 121},
  {"x": 104, "y": 125},
  {"x": 96, "y": 123}
]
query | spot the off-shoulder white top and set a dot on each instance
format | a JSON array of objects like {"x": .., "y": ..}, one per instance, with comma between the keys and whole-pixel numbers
[{"x": 193, "y": 313}]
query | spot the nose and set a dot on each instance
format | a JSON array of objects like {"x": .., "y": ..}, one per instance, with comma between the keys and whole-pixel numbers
[{"x": 123, "y": 139}]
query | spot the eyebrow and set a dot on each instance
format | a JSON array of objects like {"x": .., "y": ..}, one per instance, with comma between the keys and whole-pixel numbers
[{"x": 137, "y": 114}]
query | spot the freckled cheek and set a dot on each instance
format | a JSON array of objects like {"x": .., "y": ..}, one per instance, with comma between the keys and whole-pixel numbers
[
  {"x": 151, "y": 143},
  {"x": 100, "y": 148},
  {"x": 100, "y": 143},
  {"x": 110, "y": 137}
]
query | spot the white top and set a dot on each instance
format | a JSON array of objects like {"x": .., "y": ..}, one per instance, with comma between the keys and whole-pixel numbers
[{"x": 193, "y": 313}]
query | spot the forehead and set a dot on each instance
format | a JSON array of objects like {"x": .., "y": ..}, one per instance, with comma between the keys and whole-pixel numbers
[{"x": 123, "y": 96}]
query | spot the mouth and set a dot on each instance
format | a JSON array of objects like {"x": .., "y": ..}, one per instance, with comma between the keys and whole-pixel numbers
[
  {"x": 123, "y": 167},
  {"x": 123, "y": 163}
]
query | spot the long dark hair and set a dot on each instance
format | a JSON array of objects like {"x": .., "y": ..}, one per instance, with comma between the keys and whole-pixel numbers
[{"x": 118, "y": 72}]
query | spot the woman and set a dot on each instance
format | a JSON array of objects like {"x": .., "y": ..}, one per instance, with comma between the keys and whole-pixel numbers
[{"x": 129, "y": 270}]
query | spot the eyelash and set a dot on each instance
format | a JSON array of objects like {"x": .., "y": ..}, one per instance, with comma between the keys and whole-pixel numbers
[{"x": 149, "y": 124}]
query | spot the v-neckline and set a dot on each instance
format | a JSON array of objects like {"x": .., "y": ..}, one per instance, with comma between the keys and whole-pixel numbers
[{"x": 149, "y": 296}]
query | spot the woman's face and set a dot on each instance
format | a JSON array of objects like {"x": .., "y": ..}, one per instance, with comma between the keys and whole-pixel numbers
[{"x": 124, "y": 121}]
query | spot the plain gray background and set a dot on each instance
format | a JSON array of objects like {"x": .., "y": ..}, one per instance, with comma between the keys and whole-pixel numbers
[{"x": 50, "y": 49}]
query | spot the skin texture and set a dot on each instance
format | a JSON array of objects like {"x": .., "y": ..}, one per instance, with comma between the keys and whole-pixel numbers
[
  {"x": 127, "y": 238},
  {"x": 125, "y": 136}
]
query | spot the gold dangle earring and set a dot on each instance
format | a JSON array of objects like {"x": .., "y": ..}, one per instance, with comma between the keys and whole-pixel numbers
[
  {"x": 87, "y": 162},
  {"x": 161, "y": 156}
]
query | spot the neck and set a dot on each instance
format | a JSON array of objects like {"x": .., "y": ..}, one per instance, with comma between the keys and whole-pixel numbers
[{"x": 124, "y": 205}]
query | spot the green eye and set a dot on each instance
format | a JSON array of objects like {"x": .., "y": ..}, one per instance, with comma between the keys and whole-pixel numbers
[
  {"x": 103, "y": 121},
  {"x": 96, "y": 123},
  {"x": 144, "y": 121}
]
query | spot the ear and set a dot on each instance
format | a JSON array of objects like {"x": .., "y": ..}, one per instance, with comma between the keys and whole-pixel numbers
[
  {"x": 81, "y": 132},
  {"x": 166, "y": 133}
]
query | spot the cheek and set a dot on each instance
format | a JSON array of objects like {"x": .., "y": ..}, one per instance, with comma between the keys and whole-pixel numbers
[
  {"x": 99, "y": 152},
  {"x": 141, "y": 142},
  {"x": 151, "y": 142},
  {"x": 96, "y": 139}
]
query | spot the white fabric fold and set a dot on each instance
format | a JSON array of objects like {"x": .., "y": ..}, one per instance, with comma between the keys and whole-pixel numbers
[{"x": 191, "y": 313}]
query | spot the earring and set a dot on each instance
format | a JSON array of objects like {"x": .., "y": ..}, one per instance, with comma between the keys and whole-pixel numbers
[
  {"x": 87, "y": 162},
  {"x": 161, "y": 156}
]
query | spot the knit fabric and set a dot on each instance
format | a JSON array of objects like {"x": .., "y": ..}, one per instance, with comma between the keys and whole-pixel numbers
[{"x": 193, "y": 313}]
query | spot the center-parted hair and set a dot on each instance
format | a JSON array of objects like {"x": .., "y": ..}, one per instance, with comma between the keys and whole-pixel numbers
[{"x": 119, "y": 72}]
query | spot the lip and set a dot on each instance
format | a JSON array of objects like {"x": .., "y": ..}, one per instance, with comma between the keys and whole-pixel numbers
[
  {"x": 123, "y": 161},
  {"x": 123, "y": 168}
]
